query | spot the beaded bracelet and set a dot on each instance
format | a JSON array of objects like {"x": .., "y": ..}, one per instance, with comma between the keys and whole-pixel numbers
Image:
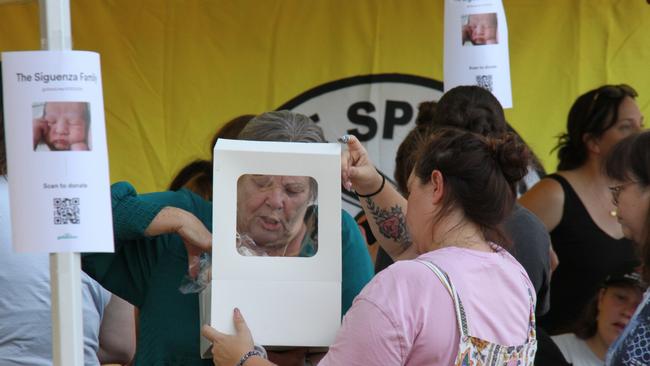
[
  {"x": 248, "y": 355},
  {"x": 381, "y": 187}
]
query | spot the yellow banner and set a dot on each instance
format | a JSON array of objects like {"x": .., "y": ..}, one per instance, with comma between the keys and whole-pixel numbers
[{"x": 174, "y": 71}]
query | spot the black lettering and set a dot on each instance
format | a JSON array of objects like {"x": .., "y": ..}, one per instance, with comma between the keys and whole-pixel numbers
[
  {"x": 392, "y": 117},
  {"x": 363, "y": 120}
]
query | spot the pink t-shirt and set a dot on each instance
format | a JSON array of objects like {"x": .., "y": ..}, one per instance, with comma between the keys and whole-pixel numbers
[{"x": 405, "y": 315}]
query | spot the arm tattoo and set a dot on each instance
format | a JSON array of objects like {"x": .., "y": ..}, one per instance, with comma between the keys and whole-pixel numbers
[{"x": 391, "y": 223}]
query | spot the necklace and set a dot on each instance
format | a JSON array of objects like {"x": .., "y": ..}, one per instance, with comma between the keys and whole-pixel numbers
[{"x": 607, "y": 204}]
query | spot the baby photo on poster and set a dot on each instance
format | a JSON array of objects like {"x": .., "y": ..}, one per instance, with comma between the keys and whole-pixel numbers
[
  {"x": 479, "y": 29},
  {"x": 61, "y": 126}
]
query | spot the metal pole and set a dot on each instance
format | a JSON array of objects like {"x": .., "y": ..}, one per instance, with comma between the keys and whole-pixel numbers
[
  {"x": 65, "y": 268},
  {"x": 55, "y": 25}
]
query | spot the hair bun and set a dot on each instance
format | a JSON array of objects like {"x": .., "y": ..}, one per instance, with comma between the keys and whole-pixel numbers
[{"x": 512, "y": 156}]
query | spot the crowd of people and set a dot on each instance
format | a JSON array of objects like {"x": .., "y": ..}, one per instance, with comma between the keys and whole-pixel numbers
[{"x": 483, "y": 260}]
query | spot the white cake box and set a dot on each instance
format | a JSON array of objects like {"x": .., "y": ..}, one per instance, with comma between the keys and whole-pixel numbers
[{"x": 286, "y": 301}]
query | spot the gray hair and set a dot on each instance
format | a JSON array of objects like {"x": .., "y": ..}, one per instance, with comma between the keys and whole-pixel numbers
[{"x": 284, "y": 126}]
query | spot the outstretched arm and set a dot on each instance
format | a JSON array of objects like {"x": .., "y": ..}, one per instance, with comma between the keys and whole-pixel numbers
[
  {"x": 385, "y": 210},
  {"x": 138, "y": 222}
]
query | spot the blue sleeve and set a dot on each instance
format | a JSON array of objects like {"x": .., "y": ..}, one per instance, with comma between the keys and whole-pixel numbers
[{"x": 357, "y": 266}]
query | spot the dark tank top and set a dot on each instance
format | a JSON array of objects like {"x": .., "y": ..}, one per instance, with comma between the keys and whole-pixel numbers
[{"x": 587, "y": 255}]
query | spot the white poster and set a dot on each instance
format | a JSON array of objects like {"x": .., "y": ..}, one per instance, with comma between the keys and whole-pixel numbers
[
  {"x": 277, "y": 240},
  {"x": 476, "y": 47},
  {"x": 56, "y": 151}
]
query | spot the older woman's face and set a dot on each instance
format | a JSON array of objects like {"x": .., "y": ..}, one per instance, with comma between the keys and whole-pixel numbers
[{"x": 271, "y": 208}]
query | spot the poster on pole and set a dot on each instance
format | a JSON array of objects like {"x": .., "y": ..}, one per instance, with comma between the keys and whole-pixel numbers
[
  {"x": 57, "y": 157},
  {"x": 476, "y": 47}
]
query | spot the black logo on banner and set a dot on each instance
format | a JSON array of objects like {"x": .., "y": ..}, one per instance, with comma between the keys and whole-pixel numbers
[{"x": 378, "y": 109}]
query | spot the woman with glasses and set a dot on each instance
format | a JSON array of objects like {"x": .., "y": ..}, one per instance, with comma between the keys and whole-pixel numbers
[
  {"x": 574, "y": 203},
  {"x": 629, "y": 167}
]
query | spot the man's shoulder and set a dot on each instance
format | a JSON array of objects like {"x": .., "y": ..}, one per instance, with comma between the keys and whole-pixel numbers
[
  {"x": 522, "y": 218},
  {"x": 526, "y": 229}
]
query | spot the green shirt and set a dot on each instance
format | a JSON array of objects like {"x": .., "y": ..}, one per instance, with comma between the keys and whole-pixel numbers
[{"x": 147, "y": 272}]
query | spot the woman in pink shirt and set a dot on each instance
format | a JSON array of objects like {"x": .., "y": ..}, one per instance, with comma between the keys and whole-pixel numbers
[{"x": 464, "y": 299}]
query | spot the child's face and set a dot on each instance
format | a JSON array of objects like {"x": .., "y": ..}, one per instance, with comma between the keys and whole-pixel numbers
[
  {"x": 484, "y": 28},
  {"x": 66, "y": 124},
  {"x": 616, "y": 304}
]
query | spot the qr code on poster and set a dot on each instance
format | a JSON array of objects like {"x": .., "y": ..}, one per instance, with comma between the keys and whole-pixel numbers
[
  {"x": 484, "y": 81},
  {"x": 66, "y": 211}
]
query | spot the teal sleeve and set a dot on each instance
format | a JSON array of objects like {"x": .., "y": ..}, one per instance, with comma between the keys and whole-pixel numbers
[
  {"x": 131, "y": 214},
  {"x": 357, "y": 266},
  {"x": 128, "y": 270}
]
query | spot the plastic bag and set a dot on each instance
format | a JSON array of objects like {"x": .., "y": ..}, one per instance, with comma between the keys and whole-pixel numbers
[
  {"x": 199, "y": 272},
  {"x": 246, "y": 246},
  {"x": 202, "y": 266}
]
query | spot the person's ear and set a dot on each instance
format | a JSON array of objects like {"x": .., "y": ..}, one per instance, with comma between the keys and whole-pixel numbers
[
  {"x": 438, "y": 186},
  {"x": 592, "y": 143}
]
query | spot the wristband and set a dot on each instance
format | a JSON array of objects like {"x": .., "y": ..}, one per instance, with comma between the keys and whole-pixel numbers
[
  {"x": 381, "y": 187},
  {"x": 248, "y": 355}
]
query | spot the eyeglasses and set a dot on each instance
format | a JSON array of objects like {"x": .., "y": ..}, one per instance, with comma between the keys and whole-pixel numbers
[{"x": 616, "y": 191}]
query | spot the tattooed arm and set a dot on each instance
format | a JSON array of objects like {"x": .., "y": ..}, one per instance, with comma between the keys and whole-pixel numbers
[
  {"x": 385, "y": 211},
  {"x": 386, "y": 214}
]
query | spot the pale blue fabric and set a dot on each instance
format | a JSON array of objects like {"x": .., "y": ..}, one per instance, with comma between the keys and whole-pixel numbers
[{"x": 25, "y": 312}]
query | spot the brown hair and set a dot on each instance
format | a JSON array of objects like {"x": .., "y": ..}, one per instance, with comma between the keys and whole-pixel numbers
[
  {"x": 426, "y": 112},
  {"x": 197, "y": 175},
  {"x": 592, "y": 114},
  {"x": 231, "y": 129},
  {"x": 587, "y": 324},
  {"x": 480, "y": 173},
  {"x": 629, "y": 161},
  {"x": 474, "y": 109},
  {"x": 471, "y": 108},
  {"x": 404, "y": 159}
]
